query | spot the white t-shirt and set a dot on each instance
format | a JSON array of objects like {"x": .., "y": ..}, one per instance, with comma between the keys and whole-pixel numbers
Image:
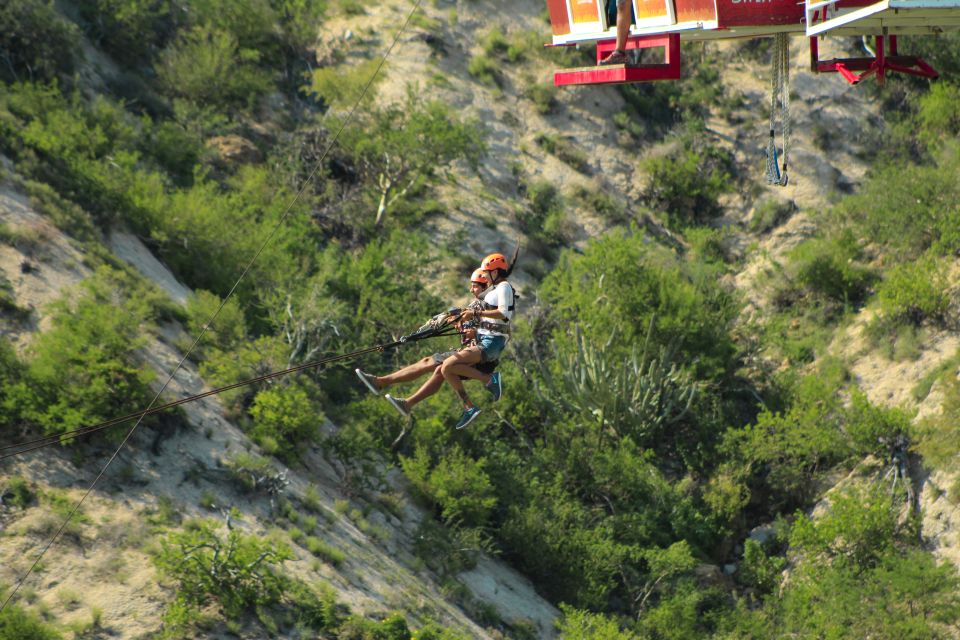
[{"x": 500, "y": 298}]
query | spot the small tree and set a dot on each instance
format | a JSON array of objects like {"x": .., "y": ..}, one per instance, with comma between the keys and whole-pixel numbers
[{"x": 401, "y": 146}]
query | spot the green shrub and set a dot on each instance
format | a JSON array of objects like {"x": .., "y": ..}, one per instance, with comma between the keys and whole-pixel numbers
[
  {"x": 543, "y": 95},
  {"x": 546, "y": 218},
  {"x": 325, "y": 551},
  {"x": 620, "y": 285},
  {"x": 684, "y": 188},
  {"x": 939, "y": 113},
  {"x": 341, "y": 86},
  {"x": 577, "y": 624},
  {"x": 566, "y": 150},
  {"x": 873, "y": 429},
  {"x": 19, "y": 624},
  {"x": 938, "y": 435},
  {"x": 828, "y": 267},
  {"x": 16, "y": 492},
  {"x": 915, "y": 291},
  {"x": 457, "y": 484},
  {"x": 256, "y": 474},
  {"x": 905, "y": 596},
  {"x": 758, "y": 570},
  {"x": 858, "y": 530},
  {"x": 485, "y": 70},
  {"x": 129, "y": 30},
  {"x": 399, "y": 149},
  {"x": 790, "y": 450},
  {"x": 285, "y": 419},
  {"x": 602, "y": 204},
  {"x": 227, "y": 330},
  {"x": 36, "y": 43},
  {"x": 236, "y": 571},
  {"x": 85, "y": 369},
  {"x": 210, "y": 67},
  {"x": 906, "y": 208}
]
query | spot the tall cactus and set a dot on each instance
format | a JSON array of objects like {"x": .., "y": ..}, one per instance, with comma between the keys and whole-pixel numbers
[{"x": 636, "y": 396}]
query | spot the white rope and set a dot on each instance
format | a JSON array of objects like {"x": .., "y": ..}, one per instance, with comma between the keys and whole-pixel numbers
[{"x": 779, "y": 92}]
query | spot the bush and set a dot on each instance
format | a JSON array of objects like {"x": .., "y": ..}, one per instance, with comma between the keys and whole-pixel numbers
[
  {"x": 875, "y": 430},
  {"x": 859, "y": 529},
  {"x": 85, "y": 369},
  {"x": 485, "y": 70},
  {"x": 915, "y": 291},
  {"x": 906, "y": 208},
  {"x": 36, "y": 43},
  {"x": 235, "y": 571},
  {"x": 543, "y": 95},
  {"x": 584, "y": 625},
  {"x": 684, "y": 188},
  {"x": 341, "y": 86},
  {"x": 458, "y": 484},
  {"x": 939, "y": 114},
  {"x": 905, "y": 596},
  {"x": 566, "y": 150},
  {"x": 129, "y": 30},
  {"x": 325, "y": 551},
  {"x": 828, "y": 268},
  {"x": 546, "y": 218},
  {"x": 227, "y": 330},
  {"x": 620, "y": 286},
  {"x": 210, "y": 67},
  {"x": 16, "y": 492},
  {"x": 18, "y": 624},
  {"x": 399, "y": 149},
  {"x": 785, "y": 453},
  {"x": 285, "y": 419}
]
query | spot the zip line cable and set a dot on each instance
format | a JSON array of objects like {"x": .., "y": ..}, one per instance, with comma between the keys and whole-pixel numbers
[
  {"x": 39, "y": 443},
  {"x": 246, "y": 269}
]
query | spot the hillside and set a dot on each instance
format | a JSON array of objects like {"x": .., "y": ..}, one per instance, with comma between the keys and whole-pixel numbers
[{"x": 729, "y": 408}]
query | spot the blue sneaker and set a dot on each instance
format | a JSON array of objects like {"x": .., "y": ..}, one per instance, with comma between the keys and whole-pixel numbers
[
  {"x": 495, "y": 386},
  {"x": 469, "y": 415}
]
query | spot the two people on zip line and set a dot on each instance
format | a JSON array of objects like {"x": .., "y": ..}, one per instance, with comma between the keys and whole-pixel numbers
[{"x": 485, "y": 327}]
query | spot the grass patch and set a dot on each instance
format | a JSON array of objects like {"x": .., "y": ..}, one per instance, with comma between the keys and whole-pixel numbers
[
  {"x": 325, "y": 551},
  {"x": 565, "y": 150}
]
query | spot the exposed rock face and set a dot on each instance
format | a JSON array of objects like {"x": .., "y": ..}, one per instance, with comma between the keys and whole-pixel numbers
[{"x": 233, "y": 150}]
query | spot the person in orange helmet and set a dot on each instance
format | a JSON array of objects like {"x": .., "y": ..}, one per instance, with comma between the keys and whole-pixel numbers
[
  {"x": 430, "y": 364},
  {"x": 493, "y": 330}
]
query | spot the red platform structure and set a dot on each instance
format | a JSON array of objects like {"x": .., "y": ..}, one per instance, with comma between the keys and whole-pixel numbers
[{"x": 662, "y": 23}]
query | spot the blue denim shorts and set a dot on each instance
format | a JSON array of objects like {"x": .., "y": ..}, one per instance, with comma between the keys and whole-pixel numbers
[{"x": 491, "y": 347}]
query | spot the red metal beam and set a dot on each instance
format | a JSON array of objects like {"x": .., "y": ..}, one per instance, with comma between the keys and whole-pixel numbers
[
  {"x": 879, "y": 65},
  {"x": 620, "y": 73}
]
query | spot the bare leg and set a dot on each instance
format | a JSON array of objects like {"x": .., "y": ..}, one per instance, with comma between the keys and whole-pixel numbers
[
  {"x": 408, "y": 373},
  {"x": 623, "y": 23},
  {"x": 466, "y": 357},
  {"x": 427, "y": 389},
  {"x": 469, "y": 371}
]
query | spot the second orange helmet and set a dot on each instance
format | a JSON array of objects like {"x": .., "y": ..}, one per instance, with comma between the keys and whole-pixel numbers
[{"x": 495, "y": 261}]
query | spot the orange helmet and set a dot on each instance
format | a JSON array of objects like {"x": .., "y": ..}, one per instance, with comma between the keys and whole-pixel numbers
[
  {"x": 480, "y": 277},
  {"x": 495, "y": 261}
]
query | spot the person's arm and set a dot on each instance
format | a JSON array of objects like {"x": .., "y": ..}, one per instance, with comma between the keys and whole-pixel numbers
[{"x": 504, "y": 310}]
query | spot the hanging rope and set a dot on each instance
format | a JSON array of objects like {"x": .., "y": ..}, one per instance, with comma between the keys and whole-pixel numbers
[
  {"x": 13, "y": 592},
  {"x": 779, "y": 91}
]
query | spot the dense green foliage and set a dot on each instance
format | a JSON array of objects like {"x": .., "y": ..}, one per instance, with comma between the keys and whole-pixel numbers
[{"x": 17, "y": 624}]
